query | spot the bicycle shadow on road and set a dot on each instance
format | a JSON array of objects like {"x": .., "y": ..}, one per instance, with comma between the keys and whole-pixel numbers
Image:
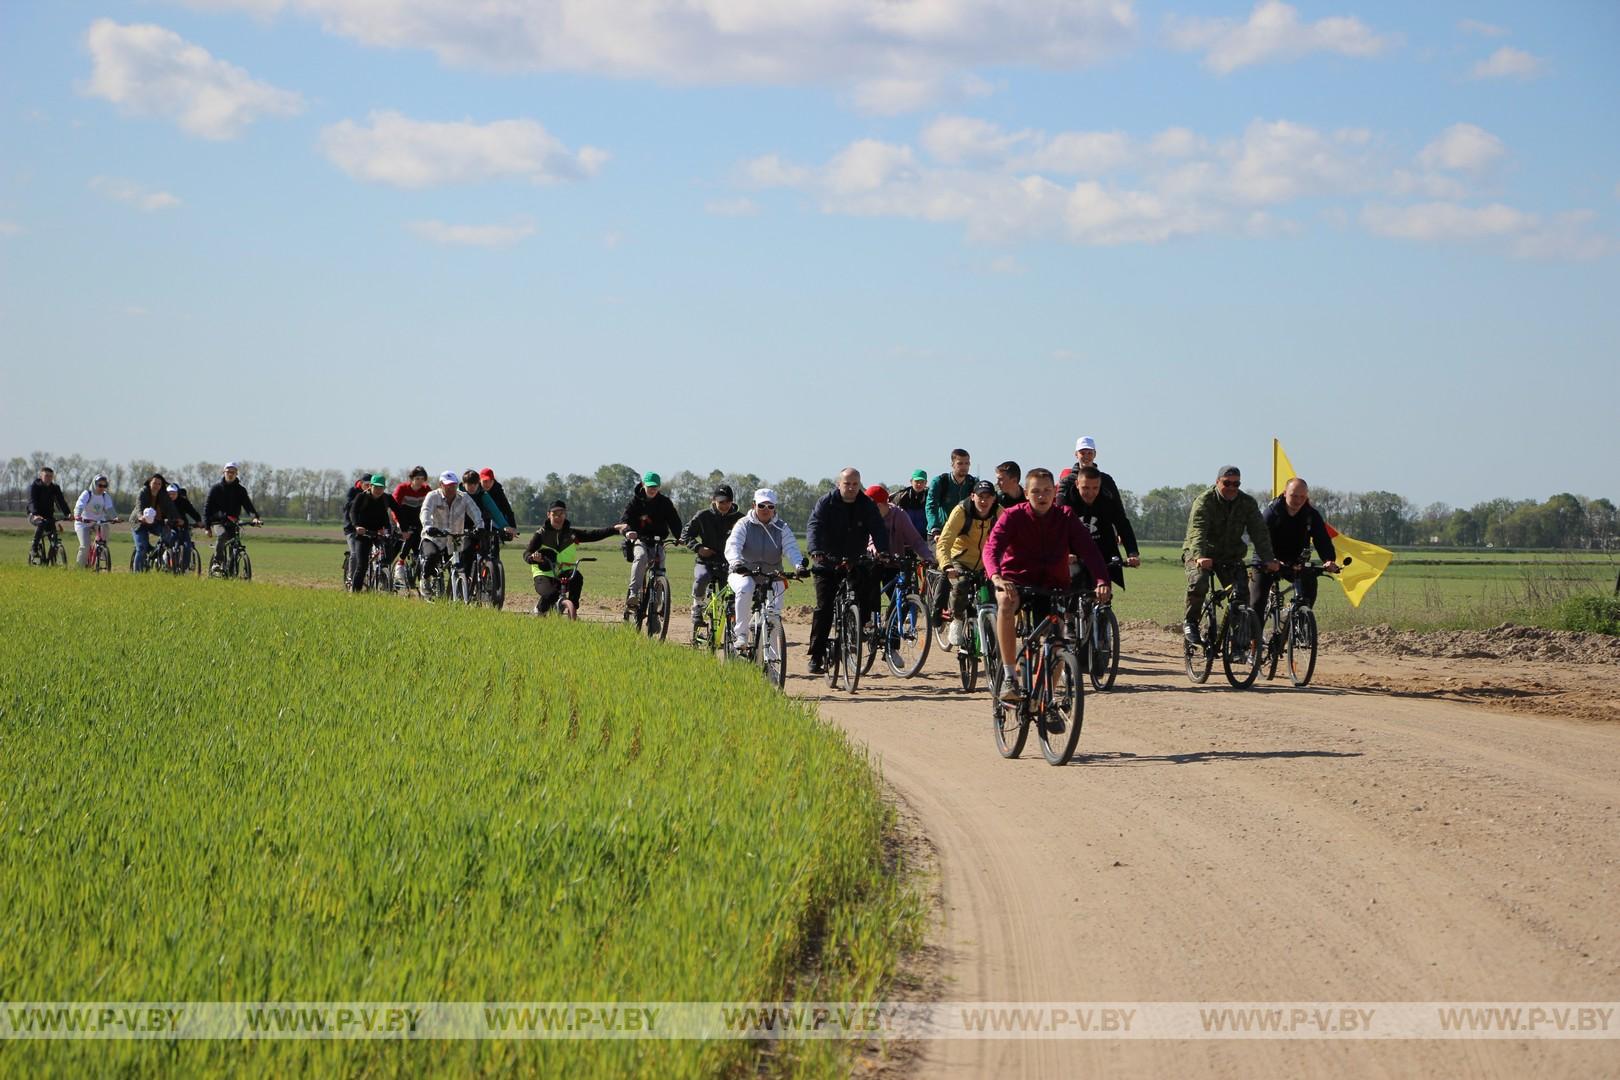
[{"x": 1202, "y": 757}]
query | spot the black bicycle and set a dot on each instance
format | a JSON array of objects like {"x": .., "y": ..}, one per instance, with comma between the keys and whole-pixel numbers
[
  {"x": 1096, "y": 637},
  {"x": 976, "y": 642},
  {"x": 1291, "y": 633},
  {"x": 842, "y": 657},
  {"x": 1228, "y": 627},
  {"x": 1054, "y": 691},
  {"x": 651, "y": 610},
  {"x": 47, "y": 549}
]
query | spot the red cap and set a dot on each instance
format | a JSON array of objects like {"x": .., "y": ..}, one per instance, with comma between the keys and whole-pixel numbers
[
  {"x": 878, "y": 493},
  {"x": 486, "y": 474}
]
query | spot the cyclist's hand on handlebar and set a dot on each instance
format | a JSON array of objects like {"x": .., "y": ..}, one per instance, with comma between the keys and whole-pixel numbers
[
  {"x": 1206, "y": 564},
  {"x": 630, "y": 534},
  {"x": 1134, "y": 561},
  {"x": 739, "y": 568},
  {"x": 1273, "y": 566},
  {"x": 1105, "y": 593},
  {"x": 1330, "y": 567}
]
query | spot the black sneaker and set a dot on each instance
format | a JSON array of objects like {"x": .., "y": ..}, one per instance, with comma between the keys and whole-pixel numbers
[
  {"x": 818, "y": 666},
  {"x": 1190, "y": 632}
]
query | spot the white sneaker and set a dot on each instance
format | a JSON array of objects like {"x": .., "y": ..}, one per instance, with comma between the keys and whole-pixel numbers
[{"x": 958, "y": 633}]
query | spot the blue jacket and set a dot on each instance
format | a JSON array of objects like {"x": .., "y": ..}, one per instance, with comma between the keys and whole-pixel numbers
[{"x": 842, "y": 529}]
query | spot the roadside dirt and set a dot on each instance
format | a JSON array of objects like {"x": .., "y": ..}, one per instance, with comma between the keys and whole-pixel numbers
[{"x": 1414, "y": 826}]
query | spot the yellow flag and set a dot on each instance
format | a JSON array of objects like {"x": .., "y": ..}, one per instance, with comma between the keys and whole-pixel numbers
[{"x": 1366, "y": 561}]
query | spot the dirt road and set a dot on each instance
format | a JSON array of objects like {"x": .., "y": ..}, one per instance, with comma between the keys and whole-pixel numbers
[{"x": 1367, "y": 839}]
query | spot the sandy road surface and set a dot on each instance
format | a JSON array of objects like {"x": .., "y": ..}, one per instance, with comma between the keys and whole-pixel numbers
[{"x": 1354, "y": 841}]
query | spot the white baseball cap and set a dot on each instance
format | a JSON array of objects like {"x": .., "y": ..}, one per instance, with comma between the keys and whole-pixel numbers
[
  {"x": 232, "y": 465},
  {"x": 449, "y": 476},
  {"x": 764, "y": 495},
  {"x": 174, "y": 489},
  {"x": 1085, "y": 442}
]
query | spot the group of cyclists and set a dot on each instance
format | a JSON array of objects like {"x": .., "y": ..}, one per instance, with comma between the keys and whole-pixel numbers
[
  {"x": 163, "y": 514},
  {"x": 1025, "y": 534}
]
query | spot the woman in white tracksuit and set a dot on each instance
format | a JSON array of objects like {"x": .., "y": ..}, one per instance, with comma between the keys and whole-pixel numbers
[
  {"x": 93, "y": 509},
  {"x": 761, "y": 542}
]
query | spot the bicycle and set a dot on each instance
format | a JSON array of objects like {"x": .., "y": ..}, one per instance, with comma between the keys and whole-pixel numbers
[
  {"x": 443, "y": 579},
  {"x": 652, "y": 608},
  {"x": 167, "y": 553},
  {"x": 100, "y": 556},
  {"x": 48, "y": 550},
  {"x": 489, "y": 573},
  {"x": 767, "y": 640},
  {"x": 1054, "y": 699},
  {"x": 843, "y": 649},
  {"x": 408, "y": 569},
  {"x": 565, "y": 579},
  {"x": 1228, "y": 626},
  {"x": 899, "y": 626},
  {"x": 1096, "y": 633},
  {"x": 970, "y": 655},
  {"x": 937, "y": 595},
  {"x": 237, "y": 564},
  {"x": 1293, "y": 633},
  {"x": 716, "y": 622}
]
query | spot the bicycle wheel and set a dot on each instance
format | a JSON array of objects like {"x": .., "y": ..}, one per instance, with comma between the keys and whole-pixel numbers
[
  {"x": 1104, "y": 665},
  {"x": 244, "y": 565},
  {"x": 1201, "y": 658},
  {"x": 967, "y": 661},
  {"x": 498, "y": 582},
  {"x": 1009, "y": 723},
  {"x": 1274, "y": 641},
  {"x": 347, "y": 555},
  {"x": 1301, "y": 645},
  {"x": 1060, "y": 707},
  {"x": 194, "y": 560},
  {"x": 36, "y": 554},
  {"x": 938, "y": 588},
  {"x": 657, "y": 621},
  {"x": 849, "y": 644},
  {"x": 57, "y": 555},
  {"x": 103, "y": 559},
  {"x": 909, "y": 636},
  {"x": 1240, "y": 650},
  {"x": 873, "y": 632},
  {"x": 770, "y": 650}
]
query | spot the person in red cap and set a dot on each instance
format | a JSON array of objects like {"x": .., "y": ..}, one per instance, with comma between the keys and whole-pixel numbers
[
  {"x": 487, "y": 481},
  {"x": 903, "y": 535}
]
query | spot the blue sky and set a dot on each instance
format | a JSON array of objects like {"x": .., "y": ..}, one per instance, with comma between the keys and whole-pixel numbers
[{"x": 785, "y": 237}]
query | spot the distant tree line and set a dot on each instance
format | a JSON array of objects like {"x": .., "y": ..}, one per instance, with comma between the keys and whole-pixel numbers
[{"x": 1380, "y": 517}]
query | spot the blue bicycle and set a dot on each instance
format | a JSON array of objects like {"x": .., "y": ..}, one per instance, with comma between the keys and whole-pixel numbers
[{"x": 899, "y": 627}]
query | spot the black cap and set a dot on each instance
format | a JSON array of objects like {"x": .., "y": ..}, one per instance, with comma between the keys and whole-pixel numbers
[
  {"x": 723, "y": 491},
  {"x": 984, "y": 487},
  {"x": 558, "y": 504}
]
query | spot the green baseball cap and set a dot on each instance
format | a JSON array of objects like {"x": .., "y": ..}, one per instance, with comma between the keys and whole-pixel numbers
[
  {"x": 379, "y": 480},
  {"x": 652, "y": 479},
  {"x": 919, "y": 474}
]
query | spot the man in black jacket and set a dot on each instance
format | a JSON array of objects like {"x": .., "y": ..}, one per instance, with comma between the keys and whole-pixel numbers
[
  {"x": 842, "y": 524},
  {"x": 706, "y": 535},
  {"x": 44, "y": 500},
  {"x": 1294, "y": 525},
  {"x": 648, "y": 516},
  {"x": 226, "y": 501},
  {"x": 372, "y": 515},
  {"x": 1104, "y": 517}
]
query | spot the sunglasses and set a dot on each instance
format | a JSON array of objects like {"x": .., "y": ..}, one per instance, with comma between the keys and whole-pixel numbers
[
  {"x": 101, "y": 485},
  {"x": 1231, "y": 483},
  {"x": 765, "y": 506}
]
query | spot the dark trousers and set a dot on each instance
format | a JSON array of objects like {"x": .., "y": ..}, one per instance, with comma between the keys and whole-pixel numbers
[
  {"x": 1260, "y": 588},
  {"x": 1198, "y": 585},
  {"x": 360, "y": 556},
  {"x": 826, "y": 581},
  {"x": 549, "y": 589}
]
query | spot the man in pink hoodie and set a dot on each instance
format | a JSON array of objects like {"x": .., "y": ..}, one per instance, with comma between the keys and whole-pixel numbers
[{"x": 1031, "y": 545}]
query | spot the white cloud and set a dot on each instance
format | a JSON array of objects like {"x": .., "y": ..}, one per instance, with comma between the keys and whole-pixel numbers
[
  {"x": 131, "y": 194},
  {"x": 406, "y": 153},
  {"x": 1509, "y": 63},
  {"x": 957, "y": 140},
  {"x": 896, "y": 55},
  {"x": 147, "y": 70},
  {"x": 1274, "y": 32},
  {"x": 731, "y": 207},
  {"x": 1567, "y": 236},
  {"x": 10, "y": 228},
  {"x": 1462, "y": 147},
  {"x": 1006, "y": 264},
  {"x": 1481, "y": 29},
  {"x": 868, "y": 165},
  {"x": 1080, "y": 153},
  {"x": 489, "y": 236}
]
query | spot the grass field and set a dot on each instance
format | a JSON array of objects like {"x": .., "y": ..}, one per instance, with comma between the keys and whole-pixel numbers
[
  {"x": 1422, "y": 589},
  {"x": 225, "y": 791}
]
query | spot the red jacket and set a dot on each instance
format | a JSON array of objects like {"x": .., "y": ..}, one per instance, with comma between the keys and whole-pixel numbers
[{"x": 1030, "y": 550}]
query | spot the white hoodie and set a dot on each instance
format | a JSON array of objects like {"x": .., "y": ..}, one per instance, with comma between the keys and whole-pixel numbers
[{"x": 760, "y": 546}]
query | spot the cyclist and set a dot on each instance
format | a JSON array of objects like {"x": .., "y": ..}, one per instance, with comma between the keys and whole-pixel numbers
[
  {"x": 554, "y": 547},
  {"x": 446, "y": 510},
  {"x": 1009, "y": 492},
  {"x": 186, "y": 517},
  {"x": 1104, "y": 516},
  {"x": 492, "y": 488},
  {"x": 154, "y": 496},
  {"x": 762, "y": 543},
  {"x": 408, "y": 499},
  {"x": 1294, "y": 526},
  {"x": 44, "y": 500},
  {"x": 648, "y": 516},
  {"x": 903, "y": 536},
  {"x": 93, "y": 508},
  {"x": 706, "y": 535},
  {"x": 913, "y": 499},
  {"x": 372, "y": 512},
  {"x": 949, "y": 489},
  {"x": 1085, "y": 454},
  {"x": 842, "y": 524},
  {"x": 492, "y": 521},
  {"x": 1031, "y": 545},
  {"x": 226, "y": 501},
  {"x": 960, "y": 550},
  {"x": 1215, "y": 528}
]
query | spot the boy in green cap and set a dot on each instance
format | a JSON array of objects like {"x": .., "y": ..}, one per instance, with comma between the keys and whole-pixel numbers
[
  {"x": 913, "y": 499},
  {"x": 648, "y": 516}
]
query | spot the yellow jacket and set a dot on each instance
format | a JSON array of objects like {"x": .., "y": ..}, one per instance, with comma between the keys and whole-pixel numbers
[{"x": 963, "y": 536}]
